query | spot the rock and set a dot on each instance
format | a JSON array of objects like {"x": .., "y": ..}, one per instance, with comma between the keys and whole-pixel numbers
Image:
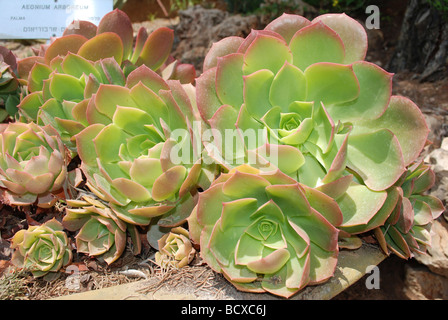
[
  {"x": 422, "y": 284},
  {"x": 437, "y": 125},
  {"x": 199, "y": 28},
  {"x": 436, "y": 258},
  {"x": 439, "y": 157}
]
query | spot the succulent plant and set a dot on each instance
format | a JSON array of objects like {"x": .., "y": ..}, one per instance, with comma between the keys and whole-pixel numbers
[
  {"x": 328, "y": 115},
  {"x": 101, "y": 232},
  {"x": 114, "y": 38},
  {"x": 175, "y": 248},
  {"x": 41, "y": 249},
  {"x": 128, "y": 152},
  {"x": 33, "y": 164},
  {"x": 9, "y": 84},
  {"x": 64, "y": 75},
  {"x": 407, "y": 230},
  {"x": 59, "y": 94},
  {"x": 266, "y": 232}
]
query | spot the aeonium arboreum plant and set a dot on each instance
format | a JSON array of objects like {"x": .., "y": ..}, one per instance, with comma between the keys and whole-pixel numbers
[
  {"x": 59, "y": 93},
  {"x": 175, "y": 249},
  {"x": 408, "y": 229},
  {"x": 9, "y": 84},
  {"x": 101, "y": 232},
  {"x": 114, "y": 37},
  {"x": 128, "y": 152},
  {"x": 66, "y": 73},
  {"x": 41, "y": 249},
  {"x": 33, "y": 164},
  {"x": 306, "y": 84},
  {"x": 266, "y": 232}
]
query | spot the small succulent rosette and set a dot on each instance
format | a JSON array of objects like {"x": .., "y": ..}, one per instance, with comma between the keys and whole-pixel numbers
[
  {"x": 175, "y": 249},
  {"x": 265, "y": 232},
  {"x": 408, "y": 229},
  {"x": 9, "y": 84},
  {"x": 41, "y": 249},
  {"x": 138, "y": 153},
  {"x": 101, "y": 233},
  {"x": 33, "y": 164}
]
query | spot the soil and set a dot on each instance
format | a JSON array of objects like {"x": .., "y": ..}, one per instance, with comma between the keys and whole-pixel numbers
[{"x": 431, "y": 97}]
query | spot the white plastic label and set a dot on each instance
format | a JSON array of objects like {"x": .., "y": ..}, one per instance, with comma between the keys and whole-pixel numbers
[{"x": 42, "y": 19}]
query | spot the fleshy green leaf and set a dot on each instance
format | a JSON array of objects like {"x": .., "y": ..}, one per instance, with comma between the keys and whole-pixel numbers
[
  {"x": 266, "y": 52},
  {"x": 207, "y": 99},
  {"x": 288, "y": 85},
  {"x": 168, "y": 183},
  {"x": 132, "y": 189},
  {"x": 374, "y": 95},
  {"x": 109, "y": 97},
  {"x": 229, "y": 79},
  {"x": 241, "y": 185},
  {"x": 221, "y": 48},
  {"x": 316, "y": 43},
  {"x": 30, "y": 104},
  {"x": 63, "y": 45},
  {"x": 376, "y": 157},
  {"x": 66, "y": 87},
  {"x": 108, "y": 141},
  {"x": 359, "y": 204},
  {"x": 104, "y": 45},
  {"x": 157, "y": 48},
  {"x": 118, "y": 22},
  {"x": 256, "y": 92},
  {"x": 287, "y": 25},
  {"x": 407, "y": 123},
  {"x": 351, "y": 32},
  {"x": 331, "y": 83},
  {"x": 76, "y": 66},
  {"x": 38, "y": 74}
]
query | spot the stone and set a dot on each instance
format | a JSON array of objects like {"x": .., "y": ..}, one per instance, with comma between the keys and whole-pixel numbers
[
  {"x": 352, "y": 266},
  {"x": 436, "y": 258},
  {"x": 439, "y": 157},
  {"x": 422, "y": 284}
]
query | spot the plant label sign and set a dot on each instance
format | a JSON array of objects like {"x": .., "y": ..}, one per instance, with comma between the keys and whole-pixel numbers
[{"x": 43, "y": 19}]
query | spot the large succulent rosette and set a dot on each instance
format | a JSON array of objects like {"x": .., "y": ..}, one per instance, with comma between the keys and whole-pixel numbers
[
  {"x": 114, "y": 37},
  {"x": 41, "y": 249},
  {"x": 138, "y": 152},
  {"x": 59, "y": 93},
  {"x": 328, "y": 115},
  {"x": 266, "y": 232},
  {"x": 65, "y": 74},
  {"x": 408, "y": 229},
  {"x": 33, "y": 164}
]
